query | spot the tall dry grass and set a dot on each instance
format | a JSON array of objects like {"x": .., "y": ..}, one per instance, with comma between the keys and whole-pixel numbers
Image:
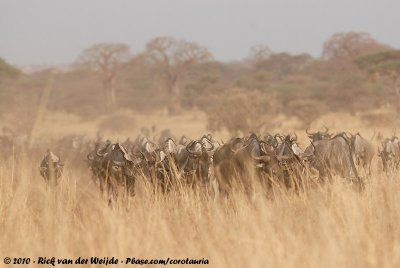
[{"x": 330, "y": 226}]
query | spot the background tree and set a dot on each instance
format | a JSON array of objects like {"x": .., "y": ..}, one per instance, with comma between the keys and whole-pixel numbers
[
  {"x": 174, "y": 58},
  {"x": 385, "y": 64},
  {"x": 259, "y": 53},
  {"x": 343, "y": 48},
  {"x": 106, "y": 59},
  {"x": 241, "y": 111},
  {"x": 283, "y": 64}
]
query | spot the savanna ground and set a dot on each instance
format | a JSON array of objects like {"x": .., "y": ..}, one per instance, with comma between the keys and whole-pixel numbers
[{"x": 329, "y": 226}]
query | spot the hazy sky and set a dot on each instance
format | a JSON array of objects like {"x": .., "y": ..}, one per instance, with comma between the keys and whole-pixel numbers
[{"x": 56, "y": 31}]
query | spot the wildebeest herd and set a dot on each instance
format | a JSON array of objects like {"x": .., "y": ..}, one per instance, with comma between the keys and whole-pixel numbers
[{"x": 206, "y": 163}]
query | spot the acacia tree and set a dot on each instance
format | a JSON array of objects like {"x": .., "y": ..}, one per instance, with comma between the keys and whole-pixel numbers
[
  {"x": 386, "y": 64},
  {"x": 174, "y": 58},
  {"x": 106, "y": 59}
]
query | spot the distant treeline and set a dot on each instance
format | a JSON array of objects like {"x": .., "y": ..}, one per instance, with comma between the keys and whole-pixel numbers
[{"x": 355, "y": 73}]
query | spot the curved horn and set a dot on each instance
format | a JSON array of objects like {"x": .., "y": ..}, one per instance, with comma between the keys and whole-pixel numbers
[
  {"x": 326, "y": 130},
  {"x": 209, "y": 141},
  {"x": 206, "y": 138},
  {"x": 309, "y": 133},
  {"x": 281, "y": 137},
  {"x": 188, "y": 148},
  {"x": 312, "y": 148},
  {"x": 265, "y": 147},
  {"x": 103, "y": 151},
  {"x": 170, "y": 139}
]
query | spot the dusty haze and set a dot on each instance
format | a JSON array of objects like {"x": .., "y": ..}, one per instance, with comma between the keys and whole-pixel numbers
[{"x": 54, "y": 32}]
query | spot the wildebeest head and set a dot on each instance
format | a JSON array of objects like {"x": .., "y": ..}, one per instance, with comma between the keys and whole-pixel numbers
[
  {"x": 199, "y": 160},
  {"x": 96, "y": 156},
  {"x": 169, "y": 146},
  {"x": 270, "y": 165},
  {"x": 117, "y": 169},
  {"x": 320, "y": 135},
  {"x": 51, "y": 168},
  {"x": 208, "y": 142},
  {"x": 285, "y": 147},
  {"x": 252, "y": 145},
  {"x": 271, "y": 142},
  {"x": 248, "y": 155},
  {"x": 119, "y": 163}
]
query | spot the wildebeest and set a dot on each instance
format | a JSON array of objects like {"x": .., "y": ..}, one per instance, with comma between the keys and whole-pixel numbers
[
  {"x": 294, "y": 163},
  {"x": 390, "y": 154},
  {"x": 226, "y": 151},
  {"x": 239, "y": 162},
  {"x": 363, "y": 152},
  {"x": 118, "y": 170},
  {"x": 51, "y": 169},
  {"x": 114, "y": 167},
  {"x": 95, "y": 159},
  {"x": 194, "y": 162},
  {"x": 155, "y": 164},
  {"x": 334, "y": 157}
]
